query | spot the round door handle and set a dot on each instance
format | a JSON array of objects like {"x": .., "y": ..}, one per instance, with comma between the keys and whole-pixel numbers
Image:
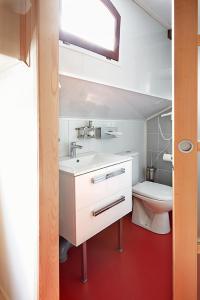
[{"x": 185, "y": 146}]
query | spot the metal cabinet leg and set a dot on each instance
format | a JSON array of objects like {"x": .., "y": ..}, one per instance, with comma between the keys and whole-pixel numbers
[
  {"x": 84, "y": 263},
  {"x": 120, "y": 233}
]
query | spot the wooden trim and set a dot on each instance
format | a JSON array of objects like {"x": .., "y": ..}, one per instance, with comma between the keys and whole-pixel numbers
[
  {"x": 27, "y": 25},
  {"x": 22, "y": 38},
  {"x": 48, "y": 35},
  {"x": 71, "y": 39},
  {"x": 198, "y": 40},
  {"x": 198, "y": 146},
  {"x": 185, "y": 165},
  {"x": 3, "y": 295},
  {"x": 198, "y": 248}
]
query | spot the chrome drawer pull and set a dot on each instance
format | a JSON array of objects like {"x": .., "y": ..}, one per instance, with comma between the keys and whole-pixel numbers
[
  {"x": 101, "y": 210},
  {"x": 103, "y": 177}
]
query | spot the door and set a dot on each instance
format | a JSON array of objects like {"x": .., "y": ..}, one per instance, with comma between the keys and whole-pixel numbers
[
  {"x": 47, "y": 47},
  {"x": 185, "y": 150}
]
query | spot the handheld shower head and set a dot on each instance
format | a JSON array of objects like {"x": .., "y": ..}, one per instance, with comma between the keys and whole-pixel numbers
[{"x": 166, "y": 115}]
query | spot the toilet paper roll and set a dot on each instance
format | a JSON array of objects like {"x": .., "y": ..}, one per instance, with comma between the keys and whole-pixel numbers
[{"x": 167, "y": 157}]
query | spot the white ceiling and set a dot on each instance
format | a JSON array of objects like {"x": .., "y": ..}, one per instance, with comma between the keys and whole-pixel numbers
[
  {"x": 84, "y": 99},
  {"x": 161, "y": 10}
]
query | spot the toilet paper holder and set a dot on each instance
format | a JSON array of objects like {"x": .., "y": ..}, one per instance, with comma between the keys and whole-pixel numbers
[{"x": 167, "y": 157}]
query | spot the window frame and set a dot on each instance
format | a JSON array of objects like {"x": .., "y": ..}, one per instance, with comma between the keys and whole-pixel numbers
[{"x": 68, "y": 38}]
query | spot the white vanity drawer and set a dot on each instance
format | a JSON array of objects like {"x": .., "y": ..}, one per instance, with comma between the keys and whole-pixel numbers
[
  {"x": 94, "y": 218},
  {"x": 92, "y": 187}
]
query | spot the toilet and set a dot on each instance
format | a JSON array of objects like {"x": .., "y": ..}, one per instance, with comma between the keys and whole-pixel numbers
[{"x": 152, "y": 201}]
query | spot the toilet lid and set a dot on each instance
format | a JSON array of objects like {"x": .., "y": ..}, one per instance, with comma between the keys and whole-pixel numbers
[{"x": 153, "y": 190}]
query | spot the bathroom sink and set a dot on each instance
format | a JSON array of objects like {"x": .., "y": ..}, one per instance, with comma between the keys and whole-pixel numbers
[{"x": 90, "y": 162}]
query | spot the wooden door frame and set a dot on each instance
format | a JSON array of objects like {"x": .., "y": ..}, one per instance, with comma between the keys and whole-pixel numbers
[
  {"x": 185, "y": 165},
  {"x": 48, "y": 37},
  {"x": 185, "y": 195}
]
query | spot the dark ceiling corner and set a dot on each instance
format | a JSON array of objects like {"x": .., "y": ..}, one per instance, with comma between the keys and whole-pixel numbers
[{"x": 169, "y": 34}]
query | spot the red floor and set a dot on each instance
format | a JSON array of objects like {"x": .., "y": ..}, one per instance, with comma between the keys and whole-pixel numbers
[{"x": 142, "y": 272}]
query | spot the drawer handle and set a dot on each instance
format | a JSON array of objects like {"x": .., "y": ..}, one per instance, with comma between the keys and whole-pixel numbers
[
  {"x": 103, "y": 177},
  {"x": 101, "y": 210}
]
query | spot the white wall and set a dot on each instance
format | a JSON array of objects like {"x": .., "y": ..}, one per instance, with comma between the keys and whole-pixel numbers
[
  {"x": 145, "y": 56},
  {"x": 133, "y": 138},
  {"x": 18, "y": 182}
]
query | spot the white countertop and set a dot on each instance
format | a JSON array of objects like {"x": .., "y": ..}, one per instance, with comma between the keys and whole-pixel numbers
[{"x": 89, "y": 162}]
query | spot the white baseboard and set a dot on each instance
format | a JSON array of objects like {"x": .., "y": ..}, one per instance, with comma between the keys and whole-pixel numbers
[{"x": 3, "y": 295}]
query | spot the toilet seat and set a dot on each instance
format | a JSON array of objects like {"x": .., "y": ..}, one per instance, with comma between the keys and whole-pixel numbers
[
  {"x": 148, "y": 198},
  {"x": 151, "y": 190}
]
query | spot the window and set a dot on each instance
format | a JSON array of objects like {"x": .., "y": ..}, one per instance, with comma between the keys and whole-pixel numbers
[{"x": 91, "y": 24}]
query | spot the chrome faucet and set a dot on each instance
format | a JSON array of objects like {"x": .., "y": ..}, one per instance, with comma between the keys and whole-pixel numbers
[{"x": 73, "y": 148}]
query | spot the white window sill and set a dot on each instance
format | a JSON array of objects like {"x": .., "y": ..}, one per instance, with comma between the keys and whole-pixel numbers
[{"x": 89, "y": 53}]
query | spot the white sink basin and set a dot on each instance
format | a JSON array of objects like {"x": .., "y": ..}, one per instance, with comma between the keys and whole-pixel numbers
[{"x": 90, "y": 162}]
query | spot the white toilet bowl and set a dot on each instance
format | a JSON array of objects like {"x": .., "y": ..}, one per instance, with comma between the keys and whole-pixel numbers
[
  {"x": 151, "y": 205},
  {"x": 151, "y": 201}
]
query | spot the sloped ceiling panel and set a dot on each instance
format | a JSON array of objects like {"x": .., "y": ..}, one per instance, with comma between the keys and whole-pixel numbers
[
  {"x": 161, "y": 10},
  {"x": 85, "y": 99}
]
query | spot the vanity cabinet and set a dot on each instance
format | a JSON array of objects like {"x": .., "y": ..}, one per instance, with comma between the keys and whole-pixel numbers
[{"x": 91, "y": 202}]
